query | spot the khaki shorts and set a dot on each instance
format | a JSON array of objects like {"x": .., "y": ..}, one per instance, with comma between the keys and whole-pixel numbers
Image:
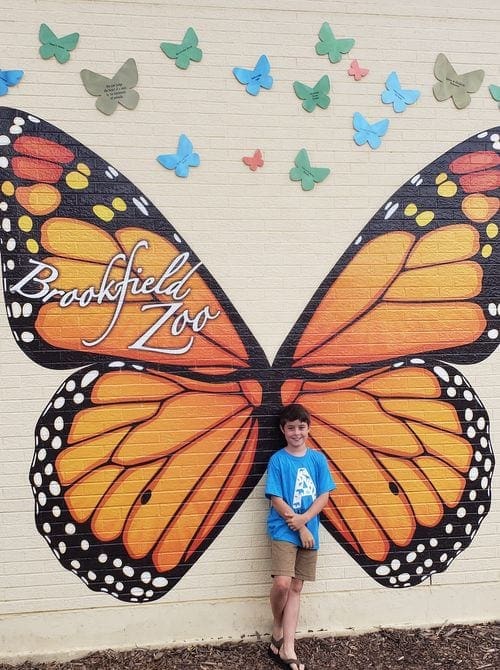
[{"x": 289, "y": 560}]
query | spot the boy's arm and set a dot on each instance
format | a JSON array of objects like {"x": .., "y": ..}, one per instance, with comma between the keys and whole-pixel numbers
[
  {"x": 283, "y": 508},
  {"x": 297, "y": 521}
]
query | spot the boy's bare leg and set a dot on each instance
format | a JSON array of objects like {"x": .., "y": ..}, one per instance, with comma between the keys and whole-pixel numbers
[
  {"x": 278, "y": 598},
  {"x": 285, "y": 605},
  {"x": 290, "y": 620}
]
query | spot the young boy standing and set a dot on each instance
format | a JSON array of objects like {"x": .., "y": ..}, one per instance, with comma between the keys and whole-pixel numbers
[{"x": 298, "y": 486}]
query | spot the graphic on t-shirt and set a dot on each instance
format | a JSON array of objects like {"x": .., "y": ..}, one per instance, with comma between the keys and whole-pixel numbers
[{"x": 304, "y": 486}]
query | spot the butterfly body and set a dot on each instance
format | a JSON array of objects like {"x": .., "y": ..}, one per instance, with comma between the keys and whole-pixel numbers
[
  {"x": 183, "y": 159},
  {"x": 316, "y": 96},
  {"x": 356, "y": 71},
  {"x": 255, "y": 161},
  {"x": 329, "y": 44},
  {"x": 185, "y": 52},
  {"x": 455, "y": 86},
  {"x": 257, "y": 78},
  {"x": 58, "y": 47},
  {"x": 113, "y": 91},
  {"x": 145, "y": 453},
  {"x": 9, "y": 78},
  {"x": 369, "y": 133},
  {"x": 396, "y": 96}
]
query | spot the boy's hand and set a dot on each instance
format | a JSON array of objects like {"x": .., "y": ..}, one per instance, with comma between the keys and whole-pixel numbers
[
  {"x": 306, "y": 538},
  {"x": 295, "y": 521}
]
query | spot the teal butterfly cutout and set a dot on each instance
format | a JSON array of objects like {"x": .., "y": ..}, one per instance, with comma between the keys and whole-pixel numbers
[
  {"x": 316, "y": 96},
  {"x": 59, "y": 47},
  {"x": 185, "y": 52},
  {"x": 332, "y": 46},
  {"x": 183, "y": 159},
  {"x": 369, "y": 133},
  {"x": 396, "y": 96},
  {"x": 306, "y": 174},
  {"x": 495, "y": 92}
]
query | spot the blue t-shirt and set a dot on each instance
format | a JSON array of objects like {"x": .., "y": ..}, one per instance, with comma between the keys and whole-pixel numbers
[{"x": 298, "y": 480}]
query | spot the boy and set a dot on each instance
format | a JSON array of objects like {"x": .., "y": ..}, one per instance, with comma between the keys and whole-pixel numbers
[{"x": 298, "y": 485}]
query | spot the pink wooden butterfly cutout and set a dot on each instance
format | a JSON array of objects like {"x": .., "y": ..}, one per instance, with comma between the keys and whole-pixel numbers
[
  {"x": 356, "y": 71},
  {"x": 255, "y": 161}
]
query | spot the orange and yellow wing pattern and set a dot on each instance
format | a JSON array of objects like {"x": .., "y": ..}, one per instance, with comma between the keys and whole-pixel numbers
[
  {"x": 421, "y": 278},
  {"x": 136, "y": 472},
  {"x": 93, "y": 270},
  {"x": 408, "y": 448}
]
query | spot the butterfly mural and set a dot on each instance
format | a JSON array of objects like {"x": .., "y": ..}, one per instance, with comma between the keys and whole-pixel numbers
[
  {"x": 255, "y": 161},
  {"x": 455, "y": 86},
  {"x": 396, "y": 96},
  {"x": 147, "y": 450},
  {"x": 368, "y": 133},
  {"x": 355, "y": 70},
  {"x": 183, "y": 159},
  {"x": 185, "y": 52},
  {"x": 9, "y": 78},
  {"x": 307, "y": 175},
  {"x": 118, "y": 89},
  {"x": 315, "y": 96},
  {"x": 329, "y": 45},
  {"x": 257, "y": 78},
  {"x": 58, "y": 47}
]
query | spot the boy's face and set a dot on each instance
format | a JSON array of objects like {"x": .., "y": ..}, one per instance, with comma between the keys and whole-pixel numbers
[{"x": 295, "y": 433}]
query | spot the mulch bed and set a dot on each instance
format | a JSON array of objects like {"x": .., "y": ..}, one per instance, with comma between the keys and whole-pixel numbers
[{"x": 446, "y": 648}]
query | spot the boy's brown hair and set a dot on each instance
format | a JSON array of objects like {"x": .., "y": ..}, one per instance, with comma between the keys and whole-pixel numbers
[{"x": 294, "y": 412}]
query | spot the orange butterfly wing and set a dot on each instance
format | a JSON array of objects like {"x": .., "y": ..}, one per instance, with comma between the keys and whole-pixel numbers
[
  {"x": 145, "y": 470},
  {"x": 409, "y": 450},
  {"x": 141, "y": 461},
  {"x": 406, "y": 438}
]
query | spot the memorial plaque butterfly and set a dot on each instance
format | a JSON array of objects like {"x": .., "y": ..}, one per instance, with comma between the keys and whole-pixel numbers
[{"x": 144, "y": 454}]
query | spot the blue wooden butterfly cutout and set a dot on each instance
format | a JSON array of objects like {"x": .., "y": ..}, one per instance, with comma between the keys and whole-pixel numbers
[
  {"x": 257, "y": 78},
  {"x": 182, "y": 160},
  {"x": 9, "y": 78},
  {"x": 368, "y": 132},
  {"x": 396, "y": 96}
]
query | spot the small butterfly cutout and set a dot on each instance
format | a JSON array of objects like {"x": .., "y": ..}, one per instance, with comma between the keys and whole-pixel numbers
[
  {"x": 183, "y": 159},
  {"x": 9, "y": 78},
  {"x": 185, "y": 52},
  {"x": 356, "y": 71},
  {"x": 332, "y": 46},
  {"x": 110, "y": 92},
  {"x": 453, "y": 85},
  {"x": 495, "y": 92},
  {"x": 368, "y": 132},
  {"x": 396, "y": 96},
  {"x": 59, "y": 47},
  {"x": 306, "y": 174},
  {"x": 257, "y": 78},
  {"x": 255, "y": 161},
  {"x": 313, "y": 97}
]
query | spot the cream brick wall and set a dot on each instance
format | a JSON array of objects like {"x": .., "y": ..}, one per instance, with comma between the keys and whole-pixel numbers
[{"x": 268, "y": 244}]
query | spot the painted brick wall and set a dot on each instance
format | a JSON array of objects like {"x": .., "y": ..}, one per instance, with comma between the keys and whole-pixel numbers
[{"x": 269, "y": 245}]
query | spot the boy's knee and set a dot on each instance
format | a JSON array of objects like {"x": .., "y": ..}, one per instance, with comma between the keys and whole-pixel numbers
[
  {"x": 282, "y": 583},
  {"x": 296, "y": 585}
]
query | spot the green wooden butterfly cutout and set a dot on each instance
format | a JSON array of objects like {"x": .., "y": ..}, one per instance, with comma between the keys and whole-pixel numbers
[
  {"x": 495, "y": 92},
  {"x": 185, "y": 52},
  {"x": 59, "y": 47},
  {"x": 306, "y": 174},
  {"x": 313, "y": 97},
  {"x": 330, "y": 45},
  {"x": 110, "y": 92},
  {"x": 453, "y": 85}
]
